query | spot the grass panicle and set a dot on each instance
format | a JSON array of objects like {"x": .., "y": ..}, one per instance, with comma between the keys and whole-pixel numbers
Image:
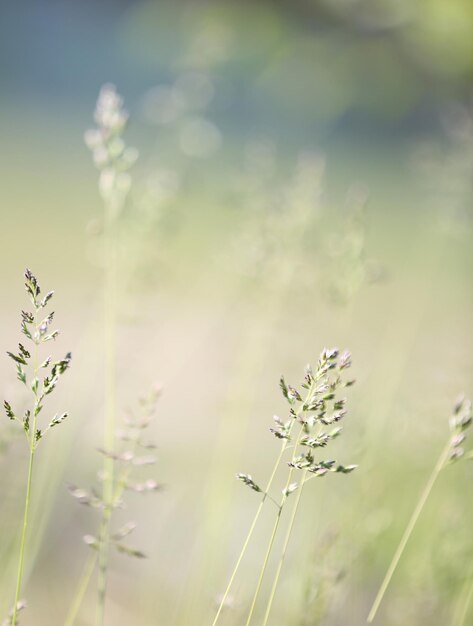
[
  {"x": 40, "y": 375},
  {"x": 131, "y": 454},
  {"x": 113, "y": 160},
  {"x": 111, "y": 156},
  {"x": 314, "y": 413}
]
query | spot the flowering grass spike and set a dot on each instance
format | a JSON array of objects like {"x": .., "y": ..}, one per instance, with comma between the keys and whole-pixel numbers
[
  {"x": 40, "y": 376},
  {"x": 315, "y": 411}
]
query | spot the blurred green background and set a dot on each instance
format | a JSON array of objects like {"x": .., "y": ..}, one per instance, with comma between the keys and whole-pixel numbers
[{"x": 304, "y": 180}]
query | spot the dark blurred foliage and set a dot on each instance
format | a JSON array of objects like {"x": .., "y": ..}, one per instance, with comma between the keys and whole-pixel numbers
[{"x": 377, "y": 65}]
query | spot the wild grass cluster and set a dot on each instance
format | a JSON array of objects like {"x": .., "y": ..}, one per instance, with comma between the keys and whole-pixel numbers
[{"x": 317, "y": 429}]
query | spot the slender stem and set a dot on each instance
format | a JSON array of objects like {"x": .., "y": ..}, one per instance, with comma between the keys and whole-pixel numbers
[
  {"x": 29, "y": 480},
  {"x": 463, "y": 604},
  {"x": 92, "y": 561},
  {"x": 23, "y": 535},
  {"x": 109, "y": 430},
  {"x": 466, "y": 605},
  {"x": 231, "y": 432},
  {"x": 284, "y": 447},
  {"x": 283, "y": 501},
  {"x": 265, "y": 564},
  {"x": 408, "y": 531},
  {"x": 82, "y": 588},
  {"x": 104, "y": 540},
  {"x": 273, "y": 534},
  {"x": 284, "y": 548},
  {"x": 277, "y": 575},
  {"x": 250, "y": 533}
]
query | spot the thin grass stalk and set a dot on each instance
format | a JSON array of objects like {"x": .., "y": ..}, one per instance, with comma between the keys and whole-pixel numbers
[
  {"x": 119, "y": 486},
  {"x": 278, "y": 517},
  {"x": 113, "y": 160},
  {"x": 231, "y": 432},
  {"x": 23, "y": 535},
  {"x": 286, "y": 539},
  {"x": 284, "y": 549},
  {"x": 409, "y": 528},
  {"x": 276, "y": 525},
  {"x": 32, "y": 450},
  {"x": 249, "y": 534},
  {"x": 257, "y": 515},
  {"x": 229, "y": 439},
  {"x": 264, "y": 566},
  {"x": 466, "y": 604},
  {"x": 89, "y": 569},
  {"x": 81, "y": 589},
  {"x": 320, "y": 407},
  {"x": 110, "y": 408},
  {"x": 461, "y": 609},
  {"x": 275, "y": 277}
]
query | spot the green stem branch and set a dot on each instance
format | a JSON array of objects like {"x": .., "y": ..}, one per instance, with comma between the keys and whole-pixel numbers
[
  {"x": 284, "y": 447},
  {"x": 408, "y": 531},
  {"x": 265, "y": 564},
  {"x": 23, "y": 535},
  {"x": 109, "y": 430},
  {"x": 29, "y": 480},
  {"x": 250, "y": 533},
  {"x": 82, "y": 588},
  {"x": 284, "y": 549},
  {"x": 92, "y": 561},
  {"x": 273, "y": 534},
  {"x": 461, "y": 610}
]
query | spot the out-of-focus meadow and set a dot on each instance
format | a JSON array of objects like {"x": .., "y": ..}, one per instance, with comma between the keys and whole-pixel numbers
[{"x": 304, "y": 180}]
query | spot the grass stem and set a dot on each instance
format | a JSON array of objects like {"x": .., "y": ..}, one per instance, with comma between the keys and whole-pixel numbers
[
  {"x": 274, "y": 532},
  {"x": 249, "y": 534},
  {"x": 284, "y": 549},
  {"x": 461, "y": 610},
  {"x": 263, "y": 568},
  {"x": 409, "y": 528},
  {"x": 109, "y": 427},
  {"x": 24, "y": 533},
  {"x": 29, "y": 480},
  {"x": 81, "y": 589},
  {"x": 92, "y": 560},
  {"x": 284, "y": 447}
]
